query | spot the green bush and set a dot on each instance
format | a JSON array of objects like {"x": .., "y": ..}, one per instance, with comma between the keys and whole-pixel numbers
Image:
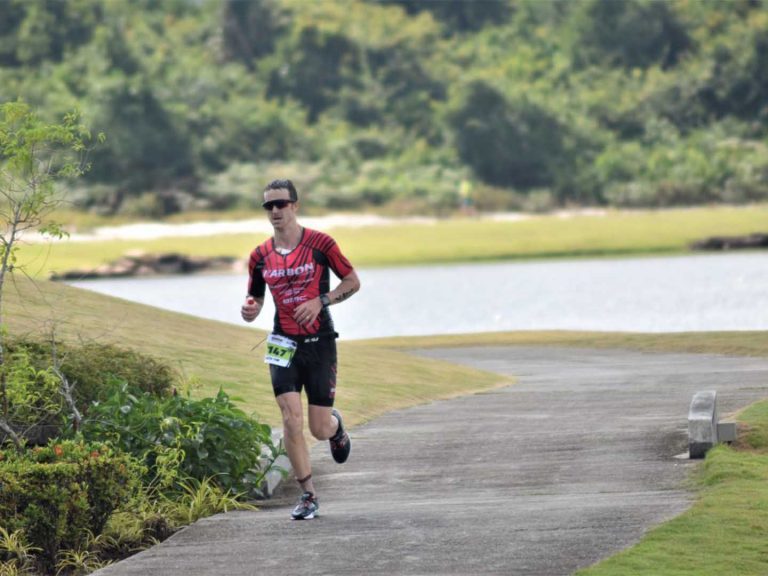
[
  {"x": 508, "y": 141},
  {"x": 58, "y": 493},
  {"x": 705, "y": 166},
  {"x": 180, "y": 438},
  {"x": 31, "y": 394},
  {"x": 92, "y": 368}
]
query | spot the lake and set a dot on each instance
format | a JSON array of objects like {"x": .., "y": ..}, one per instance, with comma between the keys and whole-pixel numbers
[{"x": 659, "y": 294}]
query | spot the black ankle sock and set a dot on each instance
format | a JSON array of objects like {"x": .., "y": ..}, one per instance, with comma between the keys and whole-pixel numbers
[{"x": 301, "y": 483}]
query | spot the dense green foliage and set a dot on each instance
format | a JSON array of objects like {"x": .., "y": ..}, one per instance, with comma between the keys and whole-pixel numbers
[
  {"x": 31, "y": 395},
  {"x": 57, "y": 494},
  {"x": 397, "y": 102},
  {"x": 33, "y": 400},
  {"x": 180, "y": 438},
  {"x": 92, "y": 369},
  {"x": 143, "y": 461}
]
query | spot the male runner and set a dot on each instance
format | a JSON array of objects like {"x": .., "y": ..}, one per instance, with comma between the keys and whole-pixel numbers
[{"x": 301, "y": 350}]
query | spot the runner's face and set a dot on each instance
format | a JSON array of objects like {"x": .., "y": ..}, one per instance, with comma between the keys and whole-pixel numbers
[{"x": 280, "y": 217}]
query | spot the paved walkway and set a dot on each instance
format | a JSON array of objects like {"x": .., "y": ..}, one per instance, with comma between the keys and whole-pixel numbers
[{"x": 568, "y": 466}]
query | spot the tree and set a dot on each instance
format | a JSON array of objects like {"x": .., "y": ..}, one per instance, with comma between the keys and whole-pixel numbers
[
  {"x": 32, "y": 32},
  {"x": 314, "y": 65},
  {"x": 506, "y": 143},
  {"x": 250, "y": 29},
  {"x": 394, "y": 80},
  {"x": 147, "y": 150},
  {"x": 460, "y": 16},
  {"x": 34, "y": 155},
  {"x": 737, "y": 80},
  {"x": 631, "y": 33}
]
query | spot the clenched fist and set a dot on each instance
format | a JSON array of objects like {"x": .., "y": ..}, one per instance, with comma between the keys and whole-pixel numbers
[{"x": 250, "y": 309}]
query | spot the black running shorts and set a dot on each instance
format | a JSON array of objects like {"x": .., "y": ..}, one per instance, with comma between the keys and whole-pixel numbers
[{"x": 313, "y": 369}]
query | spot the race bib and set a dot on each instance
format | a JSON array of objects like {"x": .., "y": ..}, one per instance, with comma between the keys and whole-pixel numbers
[{"x": 280, "y": 350}]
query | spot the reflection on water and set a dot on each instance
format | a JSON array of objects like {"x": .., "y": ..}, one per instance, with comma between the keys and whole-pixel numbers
[{"x": 676, "y": 294}]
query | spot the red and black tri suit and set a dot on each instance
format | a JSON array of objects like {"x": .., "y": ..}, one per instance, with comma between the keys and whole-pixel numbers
[{"x": 294, "y": 278}]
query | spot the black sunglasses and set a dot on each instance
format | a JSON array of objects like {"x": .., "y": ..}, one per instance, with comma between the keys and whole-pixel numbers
[{"x": 280, "y": 204}]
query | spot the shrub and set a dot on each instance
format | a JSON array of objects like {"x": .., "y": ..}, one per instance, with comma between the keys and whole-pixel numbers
[
  {"x": 508, "y": 142},
  {"x": 179, "y": 438},
  {"x": 31, "y": 393},
  {"x": 706, "y": 166},
  {"x": 92, "y": 368},
  {"x": 58, "y": 493}
]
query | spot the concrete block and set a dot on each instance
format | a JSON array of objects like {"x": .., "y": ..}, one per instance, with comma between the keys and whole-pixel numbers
[
  {"x": 726, "y": 431},
  {"x": 282, "y": 466},
  {"x": 274, "y": 477},
  {"x": 702, "y": 423}
]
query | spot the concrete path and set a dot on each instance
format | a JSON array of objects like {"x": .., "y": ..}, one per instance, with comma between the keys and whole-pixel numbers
[{"x": 568, "y": 466}]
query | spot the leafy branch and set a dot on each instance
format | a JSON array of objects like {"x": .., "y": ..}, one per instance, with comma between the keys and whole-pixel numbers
[{"x": 34, "y": 156}]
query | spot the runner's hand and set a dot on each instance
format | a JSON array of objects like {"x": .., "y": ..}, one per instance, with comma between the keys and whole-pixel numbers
[
  {"x": 250, "y": 309},
  {"x": 306, "y": 313}
]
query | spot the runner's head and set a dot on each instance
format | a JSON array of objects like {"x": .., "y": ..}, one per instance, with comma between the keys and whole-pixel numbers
[
  {"x": 280, "y": 203},
  {"x": 293, "y": 195}
]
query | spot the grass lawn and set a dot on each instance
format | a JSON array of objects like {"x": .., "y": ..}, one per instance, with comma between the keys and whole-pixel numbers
[
  {"x": 453, "y": 240},
  {"x": 746, "y": 343}
]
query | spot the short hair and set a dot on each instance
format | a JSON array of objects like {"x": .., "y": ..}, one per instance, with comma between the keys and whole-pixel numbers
[{"x": 284, "y": 185}]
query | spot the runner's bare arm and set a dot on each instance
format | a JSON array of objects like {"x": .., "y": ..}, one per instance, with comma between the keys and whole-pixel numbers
[
  {"x": 348, "y": 286},
  {"x": 307, "y": 312}
]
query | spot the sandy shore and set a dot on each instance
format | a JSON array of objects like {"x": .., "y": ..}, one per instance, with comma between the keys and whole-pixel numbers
[{"x": 153, "y": 230}]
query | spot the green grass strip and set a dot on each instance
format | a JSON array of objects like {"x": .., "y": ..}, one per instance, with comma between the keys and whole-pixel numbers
[
  {"x": 451, "y": 240},
  {"x": 746, "y": 343},
  {"x": 724, "y": 532}
]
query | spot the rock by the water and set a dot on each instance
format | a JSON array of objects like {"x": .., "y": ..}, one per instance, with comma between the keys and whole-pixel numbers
[
  {"x": 756, "y": 240},
  {"x": 141, "y": 264}
]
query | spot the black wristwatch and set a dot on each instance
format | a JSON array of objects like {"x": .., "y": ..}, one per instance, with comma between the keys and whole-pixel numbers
[{"x": 324, "y": 300}]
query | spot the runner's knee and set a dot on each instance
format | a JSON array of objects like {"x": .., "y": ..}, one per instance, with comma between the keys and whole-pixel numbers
[
  {"x": 293, "y": 420},
  {"x": 292, "y": 424}
]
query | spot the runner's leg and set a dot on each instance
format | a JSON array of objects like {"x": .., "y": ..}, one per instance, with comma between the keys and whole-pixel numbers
[
  {"x": 320, "y": 384},
  {"x": 293, "y": 436},
  {"x": 325, "y": 423}
]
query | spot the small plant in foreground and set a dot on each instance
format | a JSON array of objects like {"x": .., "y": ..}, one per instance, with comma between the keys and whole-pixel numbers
[
  {"x": 12, "y": 569},
  {"x": 78, "y": 562},
  {"x": 16, "y": 556},
  {"x": 201, "y": 498}
]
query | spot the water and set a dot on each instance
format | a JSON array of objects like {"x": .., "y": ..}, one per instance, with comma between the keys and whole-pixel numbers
[{"x": 671, "y": 294}]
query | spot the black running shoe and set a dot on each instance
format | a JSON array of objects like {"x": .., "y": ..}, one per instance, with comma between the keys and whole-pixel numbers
[
  {"x": 340, "y": 442},
  {"x": 306, "y": 508}
]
